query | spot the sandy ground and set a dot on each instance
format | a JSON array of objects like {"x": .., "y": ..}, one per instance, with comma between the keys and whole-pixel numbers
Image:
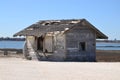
[{"x": 20, "y": 69}]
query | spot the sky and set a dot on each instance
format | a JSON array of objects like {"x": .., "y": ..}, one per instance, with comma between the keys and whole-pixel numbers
[{"x": 15, "y": 15}]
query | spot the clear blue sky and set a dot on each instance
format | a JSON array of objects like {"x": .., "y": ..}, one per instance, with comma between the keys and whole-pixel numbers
[{"x": 16, "y": 15}]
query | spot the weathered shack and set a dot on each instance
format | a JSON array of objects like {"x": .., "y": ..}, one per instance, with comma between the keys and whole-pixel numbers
[{"x": 73, "y": 40}]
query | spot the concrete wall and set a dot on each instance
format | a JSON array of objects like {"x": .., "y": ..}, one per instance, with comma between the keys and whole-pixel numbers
[
  {"x": 59, "y": 46},
  {"x": 74, "y": 37}
]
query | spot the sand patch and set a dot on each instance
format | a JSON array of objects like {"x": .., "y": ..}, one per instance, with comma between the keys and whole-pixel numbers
[{"x": 21, "y": 69}]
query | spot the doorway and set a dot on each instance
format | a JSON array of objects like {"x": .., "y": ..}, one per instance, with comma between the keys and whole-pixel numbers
[{"x": 40, "y": 43}]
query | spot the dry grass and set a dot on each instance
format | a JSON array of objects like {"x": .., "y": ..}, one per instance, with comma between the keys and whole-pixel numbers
[
  {"x": 108, "y": 55},
  {"x": 16, "y": 53}
]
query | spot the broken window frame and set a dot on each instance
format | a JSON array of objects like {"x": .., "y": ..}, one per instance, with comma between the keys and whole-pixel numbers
[{"x": 82, "y": 46}]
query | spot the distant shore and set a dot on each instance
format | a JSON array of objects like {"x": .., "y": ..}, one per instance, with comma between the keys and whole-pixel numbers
[
  {"x": 12, "y": 39},
  {"x": 109, "y": 41}
]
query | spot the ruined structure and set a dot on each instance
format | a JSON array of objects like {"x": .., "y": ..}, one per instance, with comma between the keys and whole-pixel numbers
[{"x": 60, "y": 40}]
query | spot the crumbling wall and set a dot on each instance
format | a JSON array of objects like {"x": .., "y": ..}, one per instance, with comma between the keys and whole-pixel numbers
[
  {"x": 48, "y": 43},
  {"x": 31, "y": 39},
  {"x": 74, "y": 38},
  {"x": 59, "y": 47}
]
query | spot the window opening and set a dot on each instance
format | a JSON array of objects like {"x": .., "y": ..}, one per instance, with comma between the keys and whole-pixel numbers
[{"x": 82, "y": 46}]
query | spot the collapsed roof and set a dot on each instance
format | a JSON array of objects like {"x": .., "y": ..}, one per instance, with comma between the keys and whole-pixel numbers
[{"x": 46, "y": 26}]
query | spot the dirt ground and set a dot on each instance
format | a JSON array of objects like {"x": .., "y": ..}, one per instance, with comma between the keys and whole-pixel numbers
[{"x": 21, "y": 69}]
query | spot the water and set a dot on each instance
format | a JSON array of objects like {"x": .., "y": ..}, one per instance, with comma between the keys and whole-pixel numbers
[
  {"x": 107, "y": 46},
  {"x": 99, "y": 45},
  {"x": 12, "y": 44}
]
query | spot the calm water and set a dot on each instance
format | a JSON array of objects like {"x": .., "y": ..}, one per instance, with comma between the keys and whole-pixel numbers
[
  {"x": 12, "y": 44},
  {"x": 99, "y": 45},
  {"x": 107, "y": 46}
]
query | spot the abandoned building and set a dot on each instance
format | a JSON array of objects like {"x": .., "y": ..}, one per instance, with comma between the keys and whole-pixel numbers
[{"x": 61, "y": 40}]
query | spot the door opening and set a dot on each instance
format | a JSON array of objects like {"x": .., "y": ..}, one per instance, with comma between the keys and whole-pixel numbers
[{"x": 40, "y": 43}]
